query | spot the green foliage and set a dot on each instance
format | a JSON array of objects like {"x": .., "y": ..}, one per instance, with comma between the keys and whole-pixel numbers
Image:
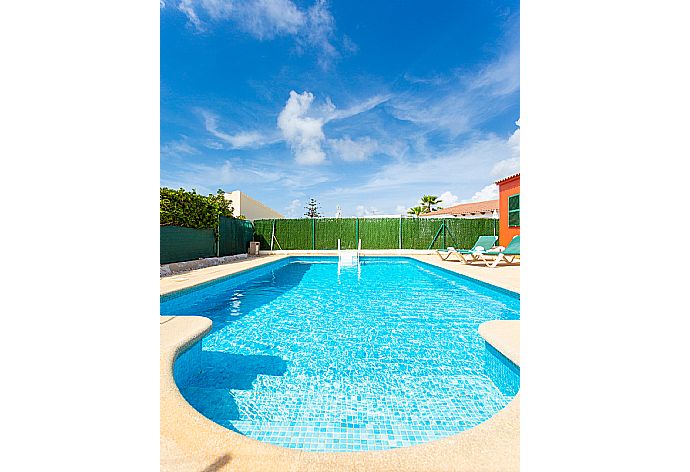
[
  {"x": 312, "y": 209},
  {"x": 192, "y": 210},
  {"x": 416, "y": 211},
  {"x": 430, "y": 203}
]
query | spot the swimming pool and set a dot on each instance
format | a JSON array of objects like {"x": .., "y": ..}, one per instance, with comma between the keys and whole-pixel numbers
[{"x": 307, "y": 355}]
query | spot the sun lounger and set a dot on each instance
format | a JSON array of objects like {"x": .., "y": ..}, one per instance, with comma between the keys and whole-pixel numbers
[
  {"x": 483, "y": 244},
  {"x": 509, "y": 255}
]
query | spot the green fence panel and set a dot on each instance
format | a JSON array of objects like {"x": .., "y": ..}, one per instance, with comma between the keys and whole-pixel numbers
[
  {"x": 293, "y": 234},
  {"x": 418, "y": 233},
  {"x": 185, "y": 244},
  {"x": 234, "y": 236},
  {"x": 375, "y": 233},
  {"x": 379, "y": 233},
  {"x": 463, "y": 233},
  {"x": 329, "y": 230},
  {"x": 262, "y": 233}
]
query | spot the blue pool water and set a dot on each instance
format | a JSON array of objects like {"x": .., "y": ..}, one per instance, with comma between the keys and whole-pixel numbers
[{"x": 304, "y": 355}]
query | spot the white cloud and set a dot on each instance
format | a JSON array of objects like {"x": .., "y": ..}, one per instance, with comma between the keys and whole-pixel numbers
[
  {"x": 266, "y": 19},
  {"x": 490, "y": 192},
  {"x": 501, "y": 77},
  {"x": 432, "y": 80},
  {"x": 460, "y": 103},
  {"x": 362, "y": 210},
  {"x": 226, "y": 173},
  {"x": 511, "y": 165},
  {"x": 241, "y": 140},
  {"x": 455, "y": 168},
  {"x": 448, "y": 199},
  {"x": 302, "y": 128},
  {"x": 177, "y": 148},
  {"x": 234, "y": 173},
  {"x": 332, "y": 113},
  {"x": 304, "y": 133},
  {"x": 185, "y": 6},
  {"x": 211, "y": 144},
  {"x": 463, "y": 170},
  {"x": 354, "y": 150},
  {"x": 318, "y": 32},
  {"x": 312, "y": 28},
  {"x": 291, "y": 209}
]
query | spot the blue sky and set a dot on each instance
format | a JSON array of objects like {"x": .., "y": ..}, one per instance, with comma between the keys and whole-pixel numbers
[{"x": 366, "y": 105}]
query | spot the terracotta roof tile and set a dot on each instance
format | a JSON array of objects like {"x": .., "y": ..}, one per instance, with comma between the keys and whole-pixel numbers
[
  {"x": 507, "y": 178},
  {"x": 466, "y": 208}
]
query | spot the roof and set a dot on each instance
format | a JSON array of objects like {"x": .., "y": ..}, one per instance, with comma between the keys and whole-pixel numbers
[
  {"x": 507, "y": 178},
  {"x": 466, "y": 208}
]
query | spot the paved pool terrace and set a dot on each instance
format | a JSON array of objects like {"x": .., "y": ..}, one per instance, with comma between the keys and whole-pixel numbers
[{"x": 189, "y": 441}]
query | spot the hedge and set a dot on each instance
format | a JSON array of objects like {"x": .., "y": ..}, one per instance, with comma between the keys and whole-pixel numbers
[{"x": 375, "y": 233}]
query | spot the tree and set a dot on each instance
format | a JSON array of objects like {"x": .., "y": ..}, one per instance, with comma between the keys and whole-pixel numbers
[
  {"x": 430, "y": 203},
  {"x": 312, "y": 209},
  {"x": 192, "y": 210},
  {"x": 416, "y": 211}
]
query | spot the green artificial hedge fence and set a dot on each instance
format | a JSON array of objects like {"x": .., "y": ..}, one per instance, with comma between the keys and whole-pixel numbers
[
  {"x": 463, "y": 233},
  {"x": 185, "y": 244},
  {"x": 328, "y": 230},
  {"x": 379, "y": 233},
  {"x": 262, "y": 232},
  {"x": 375, "y": 233},
  {"x": 234, "y": 235},
  {"x": 294, "y": 234}
]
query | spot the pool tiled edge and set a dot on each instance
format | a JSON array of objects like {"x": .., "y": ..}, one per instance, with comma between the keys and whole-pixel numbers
[
  {"x": 187, "y": 280},
  {"x": 504, "y": 336},
  {"x": 190, "y": 441}
]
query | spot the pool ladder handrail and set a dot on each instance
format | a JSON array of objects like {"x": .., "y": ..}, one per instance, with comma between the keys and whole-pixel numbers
[{"x": 356, "y": 259}]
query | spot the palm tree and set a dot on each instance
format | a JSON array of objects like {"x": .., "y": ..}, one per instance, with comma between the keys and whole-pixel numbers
[
  {"x": 429, "y": 202},
  {"x": 416, "y": 211}
]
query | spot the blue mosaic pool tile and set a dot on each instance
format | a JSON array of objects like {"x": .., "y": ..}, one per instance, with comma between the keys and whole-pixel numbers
[
  {"x": 501, "y": 370},
  {"x": 306, "y": 356}
]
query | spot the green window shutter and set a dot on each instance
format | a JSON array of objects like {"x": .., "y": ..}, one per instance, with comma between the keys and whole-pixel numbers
[
  {"x": 514, "y": 218},
  {"x": 514, "y": 210}
]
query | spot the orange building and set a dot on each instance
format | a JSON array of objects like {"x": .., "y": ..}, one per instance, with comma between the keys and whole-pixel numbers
[{"x": 509, "y": 208}]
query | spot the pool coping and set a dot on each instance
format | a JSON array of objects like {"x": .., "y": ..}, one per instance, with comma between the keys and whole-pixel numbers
[{"x": 190, "y": 441}]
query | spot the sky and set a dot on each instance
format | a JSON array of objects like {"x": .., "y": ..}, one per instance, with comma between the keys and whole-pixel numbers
[{"x": 366, "y": 105}]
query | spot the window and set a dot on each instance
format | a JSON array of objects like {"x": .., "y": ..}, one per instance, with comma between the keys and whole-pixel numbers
[{"x": 514, "y": 210}]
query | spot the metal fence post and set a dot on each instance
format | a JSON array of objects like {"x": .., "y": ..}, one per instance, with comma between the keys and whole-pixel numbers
[
  {"x": 400, "y": 233},
  {"x": 313, "y": 234},
  {"x": 218, "y": 241},
  {"x": 356, "y": 231},
  {"x": 444, "y": 234}
]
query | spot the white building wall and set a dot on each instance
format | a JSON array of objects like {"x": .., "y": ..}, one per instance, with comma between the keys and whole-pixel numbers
[{"x": 250, "y": 208}]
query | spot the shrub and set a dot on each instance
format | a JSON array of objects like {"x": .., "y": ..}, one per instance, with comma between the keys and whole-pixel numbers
[{"x": 192, "y": 210}]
